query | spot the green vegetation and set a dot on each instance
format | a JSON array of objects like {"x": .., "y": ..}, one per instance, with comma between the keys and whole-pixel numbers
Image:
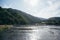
[
  {"x": 53, "y": 21},
  {"x": 4, "y": 27},
  {"x": 9, "y": 16}
]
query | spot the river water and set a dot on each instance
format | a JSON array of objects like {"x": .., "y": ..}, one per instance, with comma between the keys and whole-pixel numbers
[{"x": 32, "y": 33}]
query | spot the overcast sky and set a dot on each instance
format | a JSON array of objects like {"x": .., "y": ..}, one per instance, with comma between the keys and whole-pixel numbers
[{"x": 38, "y": 8}]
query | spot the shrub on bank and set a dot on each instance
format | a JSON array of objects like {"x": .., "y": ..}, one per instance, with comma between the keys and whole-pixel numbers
[{"x": 5, "y": 27}]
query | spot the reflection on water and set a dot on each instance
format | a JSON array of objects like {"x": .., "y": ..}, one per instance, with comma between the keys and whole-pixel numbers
[{"x": 33, "y": 33}]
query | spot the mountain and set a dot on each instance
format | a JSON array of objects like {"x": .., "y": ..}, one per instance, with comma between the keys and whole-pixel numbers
[
  {"x": 54, "y": 21},
  {"x": 13, "y": 16},
  {"x": 54, "y": 18}
]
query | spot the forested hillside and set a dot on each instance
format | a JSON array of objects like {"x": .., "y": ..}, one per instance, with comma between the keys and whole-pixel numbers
[{"x": 13, "y": 16}]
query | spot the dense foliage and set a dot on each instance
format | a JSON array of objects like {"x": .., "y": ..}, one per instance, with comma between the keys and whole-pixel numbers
[
  {"x": 13, "y": 16},
  {"x": 7, "y": 17}
]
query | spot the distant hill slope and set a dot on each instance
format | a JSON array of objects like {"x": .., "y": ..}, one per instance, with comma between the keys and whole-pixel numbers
[
  {"x": 54, "y": 18},
  {"x": 13, "y": 16},
  {"x": 53, "y": 21}
]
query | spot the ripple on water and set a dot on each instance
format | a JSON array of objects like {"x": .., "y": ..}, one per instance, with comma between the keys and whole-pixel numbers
[{"x": 38, "y": 33}]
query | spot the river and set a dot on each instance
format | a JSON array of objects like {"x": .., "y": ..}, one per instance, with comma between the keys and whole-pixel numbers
[{"x": 32, "y": 33}]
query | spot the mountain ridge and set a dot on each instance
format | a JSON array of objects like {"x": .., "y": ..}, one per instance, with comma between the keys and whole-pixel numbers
[{"x": 14, "y": 16}]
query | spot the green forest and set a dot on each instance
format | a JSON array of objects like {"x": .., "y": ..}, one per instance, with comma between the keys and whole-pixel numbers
[{"x": 9, "y": 16}]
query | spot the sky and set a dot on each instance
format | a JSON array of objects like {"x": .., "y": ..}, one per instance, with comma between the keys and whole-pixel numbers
[{"x": 38, "y": 8}]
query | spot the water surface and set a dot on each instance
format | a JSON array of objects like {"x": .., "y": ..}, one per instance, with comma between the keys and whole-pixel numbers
[{"x": 32, "y": 33}]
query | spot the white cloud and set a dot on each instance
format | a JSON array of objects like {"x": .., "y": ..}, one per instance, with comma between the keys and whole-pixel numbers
[
  {"x": 31, "y": 3},
  {"x": 43, "y": 8},
  {"x": 50, "y": 10},
  {"x": 39, "y": 8}
]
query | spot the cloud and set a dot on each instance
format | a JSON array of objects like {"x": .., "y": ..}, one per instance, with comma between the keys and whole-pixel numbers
[
  {"x": 39, "y": 8},
  {"x": 43, "y": 8},
  {"x": 31, "y": 3},
  {"x": 49, "y": 10}
]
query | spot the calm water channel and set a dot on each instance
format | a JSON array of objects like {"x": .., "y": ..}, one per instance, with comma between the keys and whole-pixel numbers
[{"x": 32, "y": 33}]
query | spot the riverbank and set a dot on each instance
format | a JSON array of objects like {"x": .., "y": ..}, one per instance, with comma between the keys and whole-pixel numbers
[{"x": 3, "y": 29}]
